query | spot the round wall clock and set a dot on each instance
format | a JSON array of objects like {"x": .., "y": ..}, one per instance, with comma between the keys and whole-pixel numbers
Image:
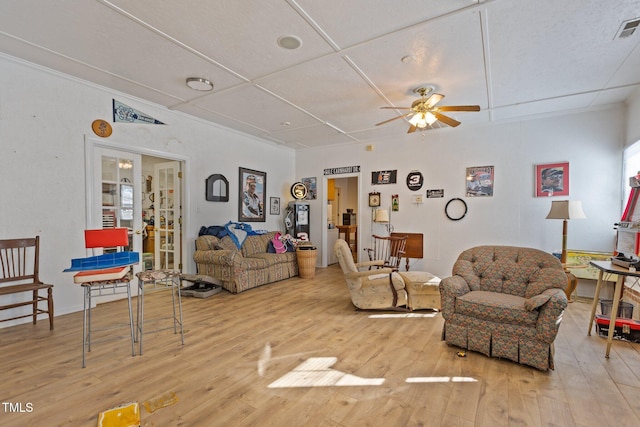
[
  {"x": 374, "y": 199},
  {"x": 101, "y": 128},
  {"x": 415, "y": 180}
]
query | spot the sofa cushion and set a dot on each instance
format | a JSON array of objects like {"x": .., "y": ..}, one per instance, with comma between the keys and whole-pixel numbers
[
  {"x": 206, "y": 243},
  {"x": 496, "y": 307},
  {"x": 257, "y": 244},
  {"x": 273, "y": 259},
  {"x": 226, "y": 244}
]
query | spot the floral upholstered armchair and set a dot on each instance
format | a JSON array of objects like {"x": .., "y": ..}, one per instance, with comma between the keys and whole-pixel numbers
[
  {"x": 375, "y": 289},
  {"x": 505, "y": 301}
]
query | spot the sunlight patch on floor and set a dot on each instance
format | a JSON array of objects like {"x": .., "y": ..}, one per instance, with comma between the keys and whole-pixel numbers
[
  {"x": 402, "y": 315},
  {"x": 442, "y": 380},
  {"x": 317, "y": 372}
]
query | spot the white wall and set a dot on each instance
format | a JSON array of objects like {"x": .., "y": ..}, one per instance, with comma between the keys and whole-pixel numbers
[
  {"x": 592, "y": 143},
  {"x": 633, "y": 119},
  {"x": 44, "y": 118}
]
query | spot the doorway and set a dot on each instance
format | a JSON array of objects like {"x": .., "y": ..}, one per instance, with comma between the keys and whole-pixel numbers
[
  {"x": 341, "y": 206},
  {"x": 142, "y": 191}
]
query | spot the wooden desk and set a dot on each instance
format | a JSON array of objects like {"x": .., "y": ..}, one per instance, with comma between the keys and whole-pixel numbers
[
  {"x": 621, "y": 272},
  {"x": 346, "y": 230},
  {"x": 414, "y": 248}
]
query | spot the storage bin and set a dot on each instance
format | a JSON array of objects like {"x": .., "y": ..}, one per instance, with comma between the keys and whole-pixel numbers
[{"x": 625, "y": 309}]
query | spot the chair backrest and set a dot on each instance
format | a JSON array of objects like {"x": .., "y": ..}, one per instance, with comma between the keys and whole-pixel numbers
[
  {"x": 19, "y": 259},
  {"x": 390, "y": 249},
  {"x": 513, "y": 270},
  {"x": 106, "y": 238},
  {"x": 345, "y": 257}
]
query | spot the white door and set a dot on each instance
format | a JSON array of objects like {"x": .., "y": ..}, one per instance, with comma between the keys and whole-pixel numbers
[
  {"x": 117, "y": 194},
  {"x": 167, "y": 222}
]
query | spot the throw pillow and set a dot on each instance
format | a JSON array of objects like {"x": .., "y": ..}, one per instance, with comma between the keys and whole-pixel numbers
[
  {"x": 536, "y": 301},
  {"x": 278, "y": 246},
  {"x": 226, "y": 244}
]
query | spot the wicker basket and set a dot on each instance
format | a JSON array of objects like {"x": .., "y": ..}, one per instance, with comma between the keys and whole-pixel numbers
[{"x": 307, "y": 262}]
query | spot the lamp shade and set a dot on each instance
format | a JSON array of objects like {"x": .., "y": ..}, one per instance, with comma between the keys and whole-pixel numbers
[
  {"x": 566, "y": 209},
  {"x": 382, "y": 215}
]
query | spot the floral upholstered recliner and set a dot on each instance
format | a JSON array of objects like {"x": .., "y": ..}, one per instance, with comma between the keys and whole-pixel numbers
[{"x": 505, "y": 301}]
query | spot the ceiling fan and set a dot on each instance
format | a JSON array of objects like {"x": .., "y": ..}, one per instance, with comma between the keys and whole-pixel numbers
[{"x": 425, "y": 112}]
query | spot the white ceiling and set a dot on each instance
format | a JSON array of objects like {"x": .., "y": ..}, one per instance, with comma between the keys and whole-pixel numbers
[{"x": 513, "y": 58}]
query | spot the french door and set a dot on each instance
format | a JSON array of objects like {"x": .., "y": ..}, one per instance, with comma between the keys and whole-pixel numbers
[
  {"x": 116, "y": 195},
  {"x": 167, "y": 224}
]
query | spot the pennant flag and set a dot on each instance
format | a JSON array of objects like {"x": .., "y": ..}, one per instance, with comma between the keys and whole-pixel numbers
[{"x": 124, "y": 113}]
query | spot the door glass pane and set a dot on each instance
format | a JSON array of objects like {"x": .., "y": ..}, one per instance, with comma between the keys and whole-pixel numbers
[{"x": 109, "y": 169}]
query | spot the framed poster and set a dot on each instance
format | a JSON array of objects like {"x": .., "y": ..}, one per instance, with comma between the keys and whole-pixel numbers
[
  {"x": 480, "y": 181},
  {"x": 253, "y": 188},
  {"x": 274, "y": 205},
  {"x": 552, "y": 179},
  {"x": 311, "y": 185}
]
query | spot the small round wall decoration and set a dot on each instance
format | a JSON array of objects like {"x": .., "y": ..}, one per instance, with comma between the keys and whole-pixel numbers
[
  {"x": 415, "y": 180},
  {"x": 101, "y": 128},
  {"x": 298, "y": 191},
  {"x": 455, "y": 209}
]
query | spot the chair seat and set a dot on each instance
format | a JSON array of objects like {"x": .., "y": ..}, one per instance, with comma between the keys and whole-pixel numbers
[{"x": 101, "y": 275}]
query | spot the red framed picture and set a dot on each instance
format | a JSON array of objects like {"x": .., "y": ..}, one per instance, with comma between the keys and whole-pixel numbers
[{"x": 552, "y": 179}]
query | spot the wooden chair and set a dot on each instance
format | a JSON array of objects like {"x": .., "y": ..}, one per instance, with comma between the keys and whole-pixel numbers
[
  {"x": 19, "y": 259},
  {"x": 389, "y": 249}
]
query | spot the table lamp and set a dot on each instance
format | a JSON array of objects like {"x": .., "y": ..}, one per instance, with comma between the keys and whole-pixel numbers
[{"x": 565, "y": 210}]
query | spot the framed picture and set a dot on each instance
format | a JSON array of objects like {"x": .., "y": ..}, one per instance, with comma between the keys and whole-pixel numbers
[
  {"x": 552, "y": 179},
  {"x": 311, "y": 184},
  {"x": 274, "y": 205},
  {"x": 253, "y": 189},
  {"x": 480, "y": 181}
]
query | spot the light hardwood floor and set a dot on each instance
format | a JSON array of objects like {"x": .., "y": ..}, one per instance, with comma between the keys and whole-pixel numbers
[{"x": 222, "y": 375}]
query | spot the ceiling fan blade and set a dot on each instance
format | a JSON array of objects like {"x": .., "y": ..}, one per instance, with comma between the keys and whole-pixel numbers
[
  {"x": 433, "y": 100},
  {"x": 395, "y": 118},
  {"x": 412, "y": 129},
  {"x": 395, "y": 108},
  {"x": 460, "y": 108},
  {"x": 445, "y": 119}
]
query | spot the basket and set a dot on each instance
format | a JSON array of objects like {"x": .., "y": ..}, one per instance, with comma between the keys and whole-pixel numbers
[
  {"x": 307, "y": 256},
  {"x": 625, "y": 309}
]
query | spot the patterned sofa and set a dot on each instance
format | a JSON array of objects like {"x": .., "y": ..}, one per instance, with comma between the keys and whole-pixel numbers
[
  {"x": 245, "y": 268},
  {"x": 505, "y": 301}
]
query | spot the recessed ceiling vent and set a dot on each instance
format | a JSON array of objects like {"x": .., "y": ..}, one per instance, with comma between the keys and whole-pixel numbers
[{"x": 628, "y": 28}]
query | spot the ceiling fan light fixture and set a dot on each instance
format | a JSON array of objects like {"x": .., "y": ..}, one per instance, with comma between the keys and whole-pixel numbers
[
  {"x": 199, "y": 83},
  {"x": 421, "y": 120}
]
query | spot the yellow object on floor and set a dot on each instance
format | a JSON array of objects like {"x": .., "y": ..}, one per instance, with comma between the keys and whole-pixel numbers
[
  {"x": 160, "y": 402},
  {"x": 127, "y": 415}
]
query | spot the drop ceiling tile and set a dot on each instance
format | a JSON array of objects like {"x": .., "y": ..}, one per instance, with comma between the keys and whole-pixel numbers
[
  {"x": 242, "y": 35},
  {"x": 546, "y": 49},
  {"x": 362, "y": 20},
  {"x": 446, "y": 54},
  {"x": 248, "y": 104}
]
